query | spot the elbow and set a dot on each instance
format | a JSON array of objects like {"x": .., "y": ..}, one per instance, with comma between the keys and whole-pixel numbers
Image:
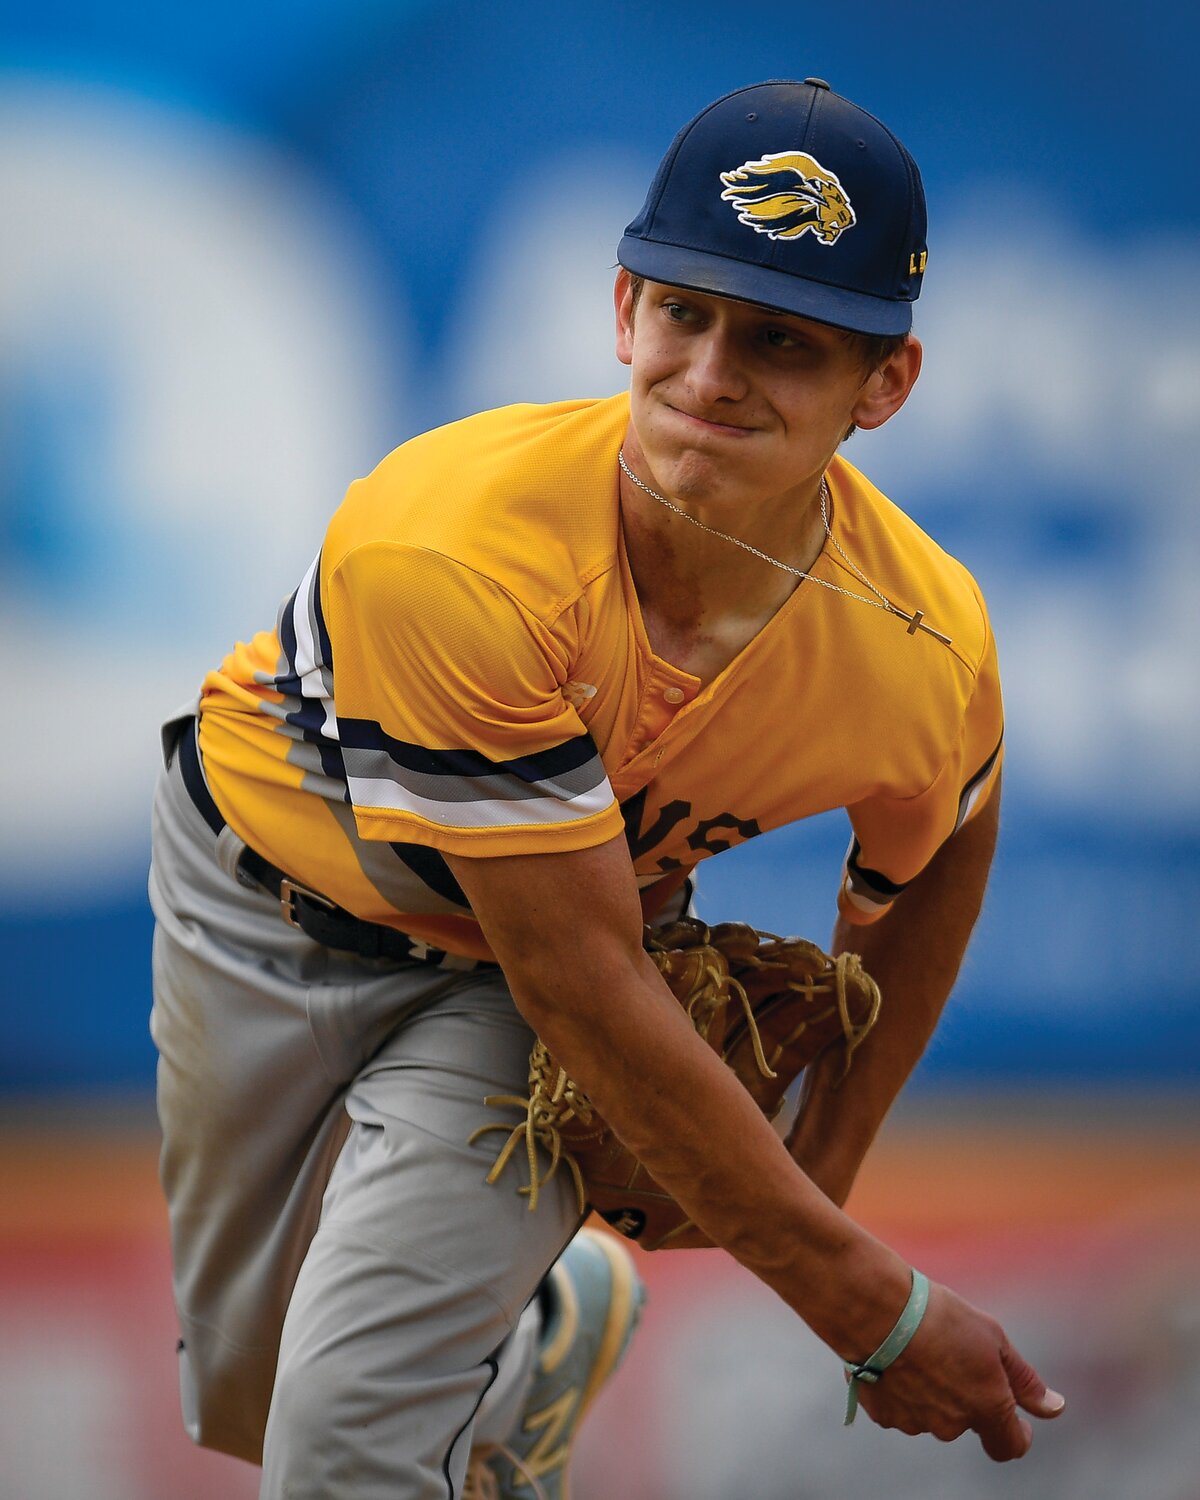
[{"x": 548, "y": 986}]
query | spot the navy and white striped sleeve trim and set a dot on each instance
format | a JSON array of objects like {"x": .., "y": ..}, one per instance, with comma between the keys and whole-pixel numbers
[
  {"x": 977, "y": 785},
  {"x": 865, "y": 888},
  {"x": 464, "y": 789},
  {"x": 871, "y": 892}
]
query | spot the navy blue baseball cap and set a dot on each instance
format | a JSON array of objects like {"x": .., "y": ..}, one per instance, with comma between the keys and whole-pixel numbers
[{"x": 788, "y": 195}]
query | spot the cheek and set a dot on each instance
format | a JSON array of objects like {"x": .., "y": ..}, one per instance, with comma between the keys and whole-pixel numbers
[
  {"x": 649, "y": 373},
  {"x": 653, "y": 356}
]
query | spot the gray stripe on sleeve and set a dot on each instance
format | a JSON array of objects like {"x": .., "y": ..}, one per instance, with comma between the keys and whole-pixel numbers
[{"x": 504, "y": 786}]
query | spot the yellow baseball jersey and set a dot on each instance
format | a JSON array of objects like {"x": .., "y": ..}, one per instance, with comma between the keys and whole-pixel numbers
[{"x": 464, "y": 669}]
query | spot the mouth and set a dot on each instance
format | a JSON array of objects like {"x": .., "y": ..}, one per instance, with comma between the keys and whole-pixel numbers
[{"x": 708, "y": 424}]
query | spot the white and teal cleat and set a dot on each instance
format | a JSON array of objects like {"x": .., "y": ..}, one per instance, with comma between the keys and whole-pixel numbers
[{"x": 595, "y": 1298}]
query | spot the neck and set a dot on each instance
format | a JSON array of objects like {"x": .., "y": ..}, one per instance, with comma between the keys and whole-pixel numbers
[{"x": 703, "y": 597}]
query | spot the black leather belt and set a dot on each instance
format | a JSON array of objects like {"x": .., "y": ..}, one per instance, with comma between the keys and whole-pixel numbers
[{"x": 315, "y": 915}]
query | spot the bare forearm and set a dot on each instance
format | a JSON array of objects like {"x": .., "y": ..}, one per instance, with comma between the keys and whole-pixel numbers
[
  {"x": 699, "y": 1134},
  {"x": 601, "y": 1006},
  {"x": 914, "y": 953},
  {"x": 596, "y": 999}
]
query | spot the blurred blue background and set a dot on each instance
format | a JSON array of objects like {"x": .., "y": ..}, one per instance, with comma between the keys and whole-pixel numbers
[{"x": 247, "y": 249}]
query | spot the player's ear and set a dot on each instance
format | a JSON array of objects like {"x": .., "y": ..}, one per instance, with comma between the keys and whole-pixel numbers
[
  {"x": 887, "y": 388},
  {"x": 624, "y": 302}
]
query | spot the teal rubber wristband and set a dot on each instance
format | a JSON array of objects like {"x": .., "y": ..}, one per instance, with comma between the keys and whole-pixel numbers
[{"x": 892, "y": 1347}]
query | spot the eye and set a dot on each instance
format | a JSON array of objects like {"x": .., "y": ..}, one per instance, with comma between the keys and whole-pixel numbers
[
  {"x": 676, "y": 311},
  {"x": 781, "y": 338}
]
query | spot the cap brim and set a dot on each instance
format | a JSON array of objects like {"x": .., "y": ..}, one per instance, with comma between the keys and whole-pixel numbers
[{"x": 700, "y": 271}]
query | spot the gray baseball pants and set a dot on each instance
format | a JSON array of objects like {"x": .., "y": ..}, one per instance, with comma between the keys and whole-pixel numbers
[{"x": 356, "y": 1304}]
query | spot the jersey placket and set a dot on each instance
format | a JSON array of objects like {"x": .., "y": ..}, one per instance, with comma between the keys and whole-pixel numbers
[{"x": 667, "y": 690}]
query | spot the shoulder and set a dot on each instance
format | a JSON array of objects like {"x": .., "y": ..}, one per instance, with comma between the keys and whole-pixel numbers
[
  {"x": 905, "y": 563},
  {"x": 526, "y": 495}
]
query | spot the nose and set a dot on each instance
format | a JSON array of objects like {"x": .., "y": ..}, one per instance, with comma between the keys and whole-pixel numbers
[{"x": 715, "y": 371}]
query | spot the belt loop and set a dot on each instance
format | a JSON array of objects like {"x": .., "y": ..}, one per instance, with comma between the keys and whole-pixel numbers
[
  {"x": 178, "y": 724},
  {"x": 192, "y": 769}
]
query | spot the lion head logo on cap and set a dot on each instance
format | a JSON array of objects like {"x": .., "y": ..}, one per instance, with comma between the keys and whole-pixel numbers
[{"x": 787, "y": 193}]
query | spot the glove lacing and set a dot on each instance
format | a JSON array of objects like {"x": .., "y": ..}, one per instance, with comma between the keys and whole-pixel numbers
[
  {"x": 844, "y": 964},
  {"x": 555, "y": 1098}
]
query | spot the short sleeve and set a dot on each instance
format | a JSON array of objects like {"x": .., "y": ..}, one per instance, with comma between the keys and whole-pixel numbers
[
  {"x": 894, "y": 838},
  {"x": 450, "y": 716}
]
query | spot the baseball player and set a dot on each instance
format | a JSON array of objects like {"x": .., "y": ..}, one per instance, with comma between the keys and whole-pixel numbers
[{"x": 546, "y": 661}]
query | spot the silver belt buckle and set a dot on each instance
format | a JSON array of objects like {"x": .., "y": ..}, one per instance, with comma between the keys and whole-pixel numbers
[{"x": 288, "y": 891}]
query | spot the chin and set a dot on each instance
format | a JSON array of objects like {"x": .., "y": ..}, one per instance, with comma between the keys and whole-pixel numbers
[
  {"x": 703, "y": 476},
  {"x": 687, "y": 462}
]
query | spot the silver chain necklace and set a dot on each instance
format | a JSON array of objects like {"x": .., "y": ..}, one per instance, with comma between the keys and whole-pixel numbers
[{"x": 915, "y": 621}]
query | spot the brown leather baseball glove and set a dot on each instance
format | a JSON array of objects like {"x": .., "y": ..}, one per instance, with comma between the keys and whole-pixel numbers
[{"x": 767, "y": 1005}]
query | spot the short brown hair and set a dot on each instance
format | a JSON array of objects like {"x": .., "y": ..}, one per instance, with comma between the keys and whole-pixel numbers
[{"x": 875, "y": 349}]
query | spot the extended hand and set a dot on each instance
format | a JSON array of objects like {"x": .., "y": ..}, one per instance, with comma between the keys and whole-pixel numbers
[{"x": 960, "y": 1374}]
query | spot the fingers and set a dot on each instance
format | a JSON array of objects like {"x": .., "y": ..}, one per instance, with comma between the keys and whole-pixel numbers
[
  {"x": 1029, "y": 1389},
  {"x": 1009, "y": 1438},
  {"x": 960, "y": 1373},
  {"x": 1010, "y": 1435}
]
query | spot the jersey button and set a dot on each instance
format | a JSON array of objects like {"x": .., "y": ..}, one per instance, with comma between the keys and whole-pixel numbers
[{"x": 674, "y": 694}]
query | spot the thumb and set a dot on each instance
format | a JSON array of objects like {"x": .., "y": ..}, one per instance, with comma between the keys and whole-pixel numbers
[{"x": 1029, "y": 1389}]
